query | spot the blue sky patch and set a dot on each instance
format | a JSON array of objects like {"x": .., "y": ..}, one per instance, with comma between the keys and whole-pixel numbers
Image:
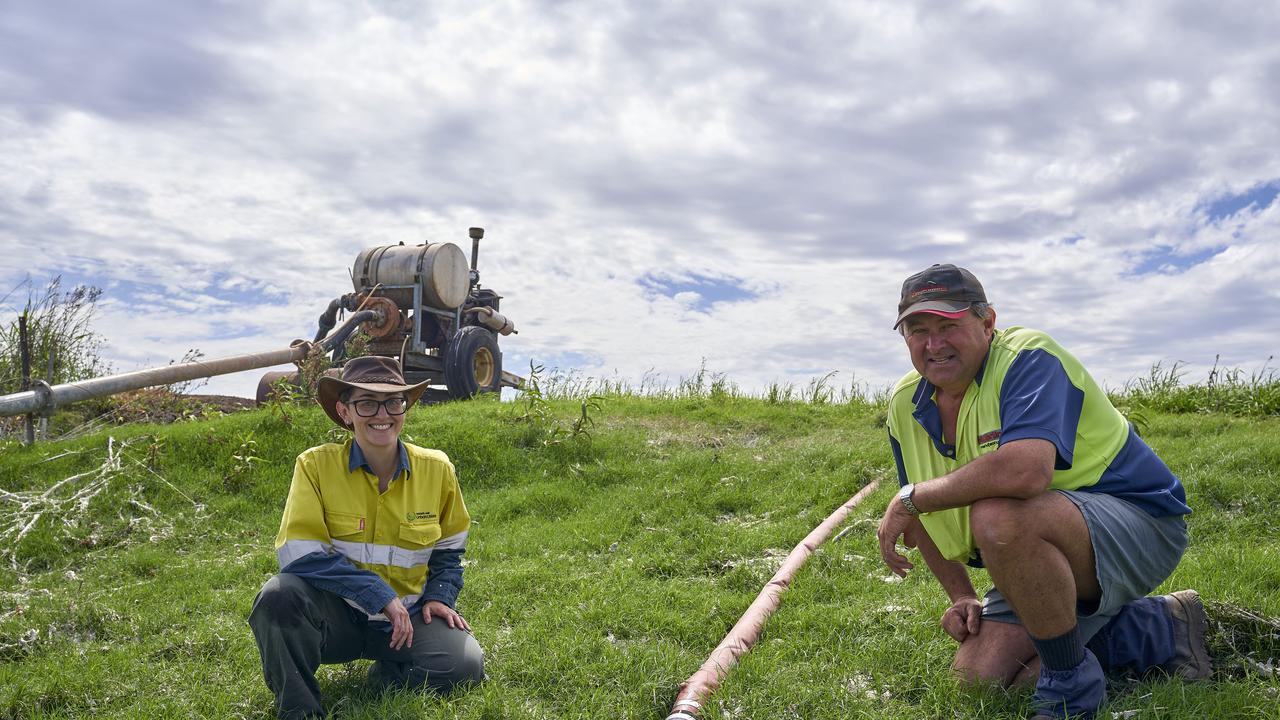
[
  {"x": 1259, "y": 197},
  {"x": 226, "y": 289},
  {"x": 239, "y": 290},
  {"x": 517, "y": 361},
  {"x": 222, "y": 294},
  {"x": 708, "y": 289},
  {"x": 1167, "y": 259}
]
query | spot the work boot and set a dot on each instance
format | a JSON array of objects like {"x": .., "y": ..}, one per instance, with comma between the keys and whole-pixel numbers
[
  {"x": 1074, "y": 693},
  {"x": 385, "y": 674},
  {"x": 1190, "y": 659}
]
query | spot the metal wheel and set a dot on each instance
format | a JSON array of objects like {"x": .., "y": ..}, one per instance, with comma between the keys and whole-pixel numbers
[{"x": 483, "y": 367}]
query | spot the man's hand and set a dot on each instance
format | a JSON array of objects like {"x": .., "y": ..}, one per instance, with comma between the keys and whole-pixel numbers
[
  {"x": 963, "y": 618},
  {"x": 448, "y": 614},
  {"x": 401, "y": 627},
  {"x": 895, "y": 522}
]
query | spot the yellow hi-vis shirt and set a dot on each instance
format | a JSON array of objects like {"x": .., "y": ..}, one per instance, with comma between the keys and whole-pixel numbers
[{"x": 332, "y": 509}]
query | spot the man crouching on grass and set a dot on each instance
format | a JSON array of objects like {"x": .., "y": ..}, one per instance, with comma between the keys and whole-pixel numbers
[
  {"x": 1012, "y": 458},
  {"x": 370, "y": 550}
]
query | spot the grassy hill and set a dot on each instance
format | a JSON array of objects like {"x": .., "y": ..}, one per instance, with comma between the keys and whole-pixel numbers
[{"x": 601, "y": 569}]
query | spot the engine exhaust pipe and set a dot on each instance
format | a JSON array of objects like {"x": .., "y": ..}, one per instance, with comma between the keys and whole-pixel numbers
[
  {"x": 476, "y": 233},
  {"x": 495, "y": 321}
]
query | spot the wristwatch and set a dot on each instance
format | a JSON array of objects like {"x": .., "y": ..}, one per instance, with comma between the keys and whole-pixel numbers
[{"x": 905, "y": 496}]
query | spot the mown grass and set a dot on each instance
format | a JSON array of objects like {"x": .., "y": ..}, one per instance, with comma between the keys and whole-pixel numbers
[{"x": 601, "y": 570}]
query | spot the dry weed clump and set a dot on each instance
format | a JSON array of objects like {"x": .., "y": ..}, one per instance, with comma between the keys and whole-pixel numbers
[
  {"x": 1243, "y": 642},
  {"x": 106, "y": 505}
]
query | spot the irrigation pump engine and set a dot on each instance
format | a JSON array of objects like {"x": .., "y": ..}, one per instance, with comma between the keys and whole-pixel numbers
[
  {"x": 426, "y": 308},
  {"x": 421, "y": 305}
]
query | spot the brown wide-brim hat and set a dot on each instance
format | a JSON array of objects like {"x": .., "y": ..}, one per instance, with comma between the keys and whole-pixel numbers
[{"x": 374, "y": 373}]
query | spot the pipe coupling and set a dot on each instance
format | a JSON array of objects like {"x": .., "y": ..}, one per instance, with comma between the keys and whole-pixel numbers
[{"x": 44, "y": 396}]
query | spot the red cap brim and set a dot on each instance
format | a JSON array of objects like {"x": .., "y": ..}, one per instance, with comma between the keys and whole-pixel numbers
[
  {"x": 945, "y": 314},
  {"x": 945, "y": 308}
]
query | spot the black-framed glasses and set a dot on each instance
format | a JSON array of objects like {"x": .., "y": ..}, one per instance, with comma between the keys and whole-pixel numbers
[{"x": 368, "y": 407}]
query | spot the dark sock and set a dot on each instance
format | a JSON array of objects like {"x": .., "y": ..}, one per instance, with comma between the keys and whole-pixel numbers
[{"x": 1063, "y": 652}]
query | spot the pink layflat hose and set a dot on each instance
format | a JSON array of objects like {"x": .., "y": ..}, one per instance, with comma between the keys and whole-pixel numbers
[{"x": 745, "y": 633}]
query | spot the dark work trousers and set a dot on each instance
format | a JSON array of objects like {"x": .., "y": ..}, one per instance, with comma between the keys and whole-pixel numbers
[{"x": 298, "y": 627}]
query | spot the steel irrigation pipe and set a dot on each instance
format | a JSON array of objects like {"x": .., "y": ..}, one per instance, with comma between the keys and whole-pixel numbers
[
  {"x": 695, "y": 691},
  {"x": 44, "y": 397}
]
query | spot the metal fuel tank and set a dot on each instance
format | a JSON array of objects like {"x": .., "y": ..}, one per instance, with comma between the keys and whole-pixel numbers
[{"x": 441, "y": 269}]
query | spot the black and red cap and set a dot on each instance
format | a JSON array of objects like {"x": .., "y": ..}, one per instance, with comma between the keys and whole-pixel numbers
[{"x": 944, "y": 290}]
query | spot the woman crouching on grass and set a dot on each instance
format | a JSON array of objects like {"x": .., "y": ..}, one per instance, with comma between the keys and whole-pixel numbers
[{"x": 370, "y": 550}]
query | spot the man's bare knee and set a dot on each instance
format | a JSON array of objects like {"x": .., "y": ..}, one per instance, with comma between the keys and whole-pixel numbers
[
  {"x": 995, "y": 655},
  {"x": 997, "y": 521},
  {"x": 978, "y": 670}
]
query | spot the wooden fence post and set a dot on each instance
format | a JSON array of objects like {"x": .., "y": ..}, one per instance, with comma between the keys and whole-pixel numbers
[
  {"x": 25, "y": 352},
  {"x": 48, "y": 378}
]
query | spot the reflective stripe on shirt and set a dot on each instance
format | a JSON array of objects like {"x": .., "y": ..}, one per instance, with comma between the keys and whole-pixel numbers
[
  {"x": 375, "y": 554},
  {"x": 457, "y": 541},
  {"x": 293, "y": 549}
]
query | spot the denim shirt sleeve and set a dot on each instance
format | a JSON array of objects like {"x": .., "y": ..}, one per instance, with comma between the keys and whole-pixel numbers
[
  {"x": 444, "y": 577},
  {"x": 333, "y": 572}
]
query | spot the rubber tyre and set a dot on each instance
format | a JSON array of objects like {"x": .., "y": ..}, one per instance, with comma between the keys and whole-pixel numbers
[{"x": 472, "y": 363}]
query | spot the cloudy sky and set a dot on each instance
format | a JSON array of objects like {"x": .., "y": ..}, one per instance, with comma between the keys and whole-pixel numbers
[{"x": 660, "y": 182}]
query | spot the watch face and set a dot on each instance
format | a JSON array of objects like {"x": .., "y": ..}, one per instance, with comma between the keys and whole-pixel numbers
[{"x": 905, "y": 496}]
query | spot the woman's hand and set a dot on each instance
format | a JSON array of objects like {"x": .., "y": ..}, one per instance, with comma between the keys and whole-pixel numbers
[
  {"x": 444, "y": 612},
  {"x": 401, "y": 627}
]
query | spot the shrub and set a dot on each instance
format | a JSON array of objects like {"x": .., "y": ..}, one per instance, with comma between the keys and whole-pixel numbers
[{"x": 63, "y": 346}]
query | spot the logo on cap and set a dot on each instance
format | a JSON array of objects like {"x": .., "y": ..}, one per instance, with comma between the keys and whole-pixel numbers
[{"x": 929, "y": 290}]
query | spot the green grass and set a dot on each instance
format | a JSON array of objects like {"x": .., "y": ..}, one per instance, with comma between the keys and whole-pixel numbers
[{"x": 602, "y": 570}]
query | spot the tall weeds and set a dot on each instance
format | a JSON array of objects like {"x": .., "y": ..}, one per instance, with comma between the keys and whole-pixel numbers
[
  {"x": 1164, "y": 388},
  {"x": 704, "y": 384},
  {"x": 63, "y": 346},
  {"x": 1226, "y": 390}
]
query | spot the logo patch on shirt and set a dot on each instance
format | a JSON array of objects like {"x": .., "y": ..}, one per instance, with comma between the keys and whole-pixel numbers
[
  {"x": 989, "y": 437},
  {"x": 411, "y": 516}
]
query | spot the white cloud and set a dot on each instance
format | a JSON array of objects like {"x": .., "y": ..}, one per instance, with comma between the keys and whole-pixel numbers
[{"x": 218, "y": 168}]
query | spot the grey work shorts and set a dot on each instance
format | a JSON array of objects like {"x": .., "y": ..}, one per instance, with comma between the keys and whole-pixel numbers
[{"x": 1133, "y": 553}]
